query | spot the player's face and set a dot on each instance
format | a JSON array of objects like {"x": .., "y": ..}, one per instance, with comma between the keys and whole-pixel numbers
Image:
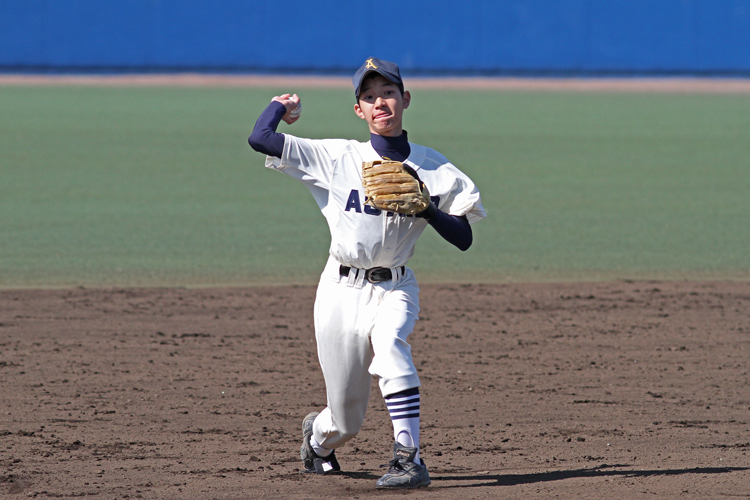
[{"x": 382, "y": 106}]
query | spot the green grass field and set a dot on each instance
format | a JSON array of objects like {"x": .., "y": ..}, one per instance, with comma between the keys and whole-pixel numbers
[{"x": 126, "y": 186}]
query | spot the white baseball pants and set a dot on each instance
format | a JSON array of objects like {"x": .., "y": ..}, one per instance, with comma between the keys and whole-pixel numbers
[{"x": 361, "y": 330}]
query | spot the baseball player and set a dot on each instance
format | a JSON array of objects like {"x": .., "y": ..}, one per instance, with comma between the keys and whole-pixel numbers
[{"x": 367, "y": 301}]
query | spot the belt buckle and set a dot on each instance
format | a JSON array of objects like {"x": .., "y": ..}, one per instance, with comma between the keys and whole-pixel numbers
[{"x": 377, "y": 274}]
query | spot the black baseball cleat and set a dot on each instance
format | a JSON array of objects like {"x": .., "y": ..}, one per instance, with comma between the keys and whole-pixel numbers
[
  {"x": 310, "y": 460},
  {"x": 403, "y": 472}
]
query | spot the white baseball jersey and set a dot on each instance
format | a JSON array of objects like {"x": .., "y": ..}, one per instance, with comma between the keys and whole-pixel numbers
[{"x": 361, "y": 235}]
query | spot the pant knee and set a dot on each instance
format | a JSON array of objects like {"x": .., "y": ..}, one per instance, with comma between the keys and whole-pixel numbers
[
  {"x": 348, "y": 433},
  {"x": 340, "y": 437},
  {"x": 336, "y": 428}
]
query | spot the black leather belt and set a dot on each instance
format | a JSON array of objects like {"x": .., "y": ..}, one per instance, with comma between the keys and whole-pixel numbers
[{"x": 374, "y": 275}]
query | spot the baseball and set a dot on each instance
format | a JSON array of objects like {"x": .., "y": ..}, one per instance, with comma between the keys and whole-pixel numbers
[{"x": 296, "y": 111}]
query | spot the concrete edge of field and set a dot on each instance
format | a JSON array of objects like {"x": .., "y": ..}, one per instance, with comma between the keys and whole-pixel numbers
[{"x": 605, "y": 84}]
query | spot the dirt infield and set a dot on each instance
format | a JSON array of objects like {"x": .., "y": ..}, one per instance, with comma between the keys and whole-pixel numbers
[
  {"x": 594, "y": 390},
  {"x": 659, "y": 85}
]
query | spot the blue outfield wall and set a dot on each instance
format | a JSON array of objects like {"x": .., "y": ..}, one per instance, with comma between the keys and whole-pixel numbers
[{"x": 474, "y": 36}]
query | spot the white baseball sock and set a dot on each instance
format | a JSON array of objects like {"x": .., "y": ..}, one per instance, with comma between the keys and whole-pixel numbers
[{"x": 404, "y": 409}]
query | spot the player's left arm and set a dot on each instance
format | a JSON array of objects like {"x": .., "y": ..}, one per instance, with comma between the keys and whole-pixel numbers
[
  {"x": 461, "y": 198},
  {"x": 453, "y": 228}
]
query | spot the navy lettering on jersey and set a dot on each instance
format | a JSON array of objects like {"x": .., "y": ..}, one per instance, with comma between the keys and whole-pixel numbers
[
  {"x": 370, "y": 210},
  {"x": 353, "y": 202}
]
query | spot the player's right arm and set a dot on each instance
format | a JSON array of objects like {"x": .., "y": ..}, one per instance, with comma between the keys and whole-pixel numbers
[
  {"x": 312, "y": 161},
  {"x": 264, "y": 138}
]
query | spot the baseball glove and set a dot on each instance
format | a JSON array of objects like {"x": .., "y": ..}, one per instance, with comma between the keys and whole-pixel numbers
[{"x": 395, "y": 187}]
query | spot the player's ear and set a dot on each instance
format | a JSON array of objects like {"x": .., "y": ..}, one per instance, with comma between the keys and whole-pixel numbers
[
  {"x": 407, "y": 99},
  {"x": 358, "y": 111}
]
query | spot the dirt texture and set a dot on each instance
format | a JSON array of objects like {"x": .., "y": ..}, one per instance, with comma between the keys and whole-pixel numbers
[{"x": 584, "y": 390}]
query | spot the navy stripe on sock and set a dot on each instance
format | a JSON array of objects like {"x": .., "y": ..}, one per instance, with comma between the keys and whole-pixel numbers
[
  {"x": 407, "y": 392},
  {"x": 410, "y": 415},
  {"x": 401, "y": 410},
  {"x": 390, "y": 404}
]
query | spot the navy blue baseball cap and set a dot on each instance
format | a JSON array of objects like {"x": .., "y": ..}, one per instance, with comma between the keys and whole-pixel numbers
[{"x": 387, "y": 69}]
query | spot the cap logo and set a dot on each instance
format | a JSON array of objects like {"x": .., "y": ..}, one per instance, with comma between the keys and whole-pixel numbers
[{"x": 370, "y": 64}]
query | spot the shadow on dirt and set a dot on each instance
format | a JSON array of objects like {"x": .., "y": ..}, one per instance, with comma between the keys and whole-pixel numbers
[
  {"x": 359, "y": 475},
  {"x": 543, "y": 477}
]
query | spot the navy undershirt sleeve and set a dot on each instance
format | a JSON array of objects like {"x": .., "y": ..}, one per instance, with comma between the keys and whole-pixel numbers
[
  {"x": 453, "y": 228},
  {"x": 264, "y": 138}
]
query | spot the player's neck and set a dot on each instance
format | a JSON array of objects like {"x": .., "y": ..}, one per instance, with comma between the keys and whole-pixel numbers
[{"x": 394, "y": 148}]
